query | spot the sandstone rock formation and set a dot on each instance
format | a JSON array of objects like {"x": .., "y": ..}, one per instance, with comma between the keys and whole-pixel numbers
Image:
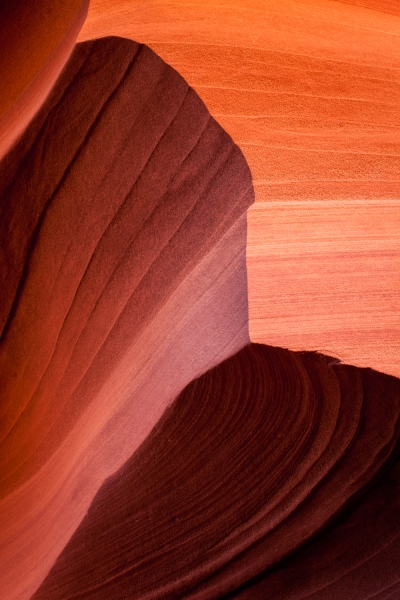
[
  {"x": 309, "y": 90},
  {"x": 148, "y": 451},
  {"x": 269, "y": 477},
  {"x": 123, "y": 269}
]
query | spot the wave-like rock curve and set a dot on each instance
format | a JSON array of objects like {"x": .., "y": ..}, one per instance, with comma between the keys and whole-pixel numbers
[
  {"x": 309, "y": 90},
  {"x": 122, "y": 266},
  {"x": 123, "y": 235},
  {"x": 274, "y": 475}
]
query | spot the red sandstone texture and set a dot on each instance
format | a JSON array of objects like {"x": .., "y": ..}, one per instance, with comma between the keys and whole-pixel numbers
[
  {"x": 124, "y": 277},
  {"x": 310, "y": 91},
  {"x": 36, "y": 39},
  {"x": 274, "y": 475}
]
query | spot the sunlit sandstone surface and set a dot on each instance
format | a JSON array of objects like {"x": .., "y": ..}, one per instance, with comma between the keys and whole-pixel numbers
[{"x": 310, "y": 91}]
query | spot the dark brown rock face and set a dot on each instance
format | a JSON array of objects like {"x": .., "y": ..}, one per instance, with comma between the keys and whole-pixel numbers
[
  {"x": 122, "y": 268},
  {"x": 274, "y": 475}
]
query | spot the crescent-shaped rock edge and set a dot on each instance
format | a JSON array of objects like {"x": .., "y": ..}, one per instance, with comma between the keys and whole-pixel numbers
[{"x": 274, "y": 475}]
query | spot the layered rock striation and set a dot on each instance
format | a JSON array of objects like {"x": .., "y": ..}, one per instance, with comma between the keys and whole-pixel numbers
[
  {"x": 124, "y": 277},
  {"x": 309, "y": 90},
  {"x": 146, "y": 449},
  {"x": 274, "y": 475}
]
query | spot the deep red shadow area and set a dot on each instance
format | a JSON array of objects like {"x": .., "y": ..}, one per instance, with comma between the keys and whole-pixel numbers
[{"x": 274, "y": 475}]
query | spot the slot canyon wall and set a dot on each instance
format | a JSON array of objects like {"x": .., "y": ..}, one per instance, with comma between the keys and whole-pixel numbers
[
  {"x": 199, "y": 319},
  {"x": 309, "y": 90},
  {"x": 131, "y": 281}
]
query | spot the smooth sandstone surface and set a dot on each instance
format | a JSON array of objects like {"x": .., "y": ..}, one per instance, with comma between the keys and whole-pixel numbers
[
  {"x": 36, "y": 40},
  {"x": 310, "y": 91},
  {"x": 123, "y": 215},
  {"x": 273, "y": 476}
]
